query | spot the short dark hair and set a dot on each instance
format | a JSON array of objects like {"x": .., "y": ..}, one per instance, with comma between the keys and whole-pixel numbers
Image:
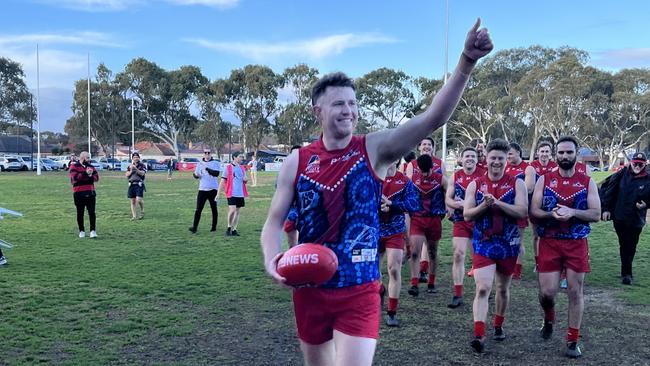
[
  {"x": 409, "y": 157},
  {"x": 425, "y": 163},
  {"x": 568, "y": 139},
  {"x": 334, "y": 79},
  {"x": 294, "y": 147},
  {"x": 545, "y": 143},
  {"x": 428, "y": 138},
  {"x": 515, "y": 146},
  {"x": 498, "y": 144},
  {"x": 236, "y": 154},
  {"x": 468, "y": 148}
]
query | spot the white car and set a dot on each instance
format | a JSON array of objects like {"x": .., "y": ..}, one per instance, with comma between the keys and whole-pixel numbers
[
  {"x": 11, "y": 163},
  {"x": 96, "y": 164},
  {"x": 109, "y": 163}
]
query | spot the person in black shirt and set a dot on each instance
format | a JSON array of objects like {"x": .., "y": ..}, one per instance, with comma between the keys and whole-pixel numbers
[{"x": 135, "y": 174}]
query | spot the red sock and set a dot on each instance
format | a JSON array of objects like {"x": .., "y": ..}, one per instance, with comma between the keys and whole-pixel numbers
[
  {"x": 432, "y": 279},
  {"x": 479, "y": 329},
  {"x": 549, "y": 315},
  {"x": 414, "y": 281},
  {"x": 572, "y": 335},
  {"x": 458, "y": 290},
  {"x": 392, "y": 305},
  {"x": 518, "y": 268},
  {"x": 498, "y": 320},
  {"x": 424, "y": 266}
]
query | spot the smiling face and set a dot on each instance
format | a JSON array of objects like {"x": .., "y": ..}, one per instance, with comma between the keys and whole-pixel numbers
[
  {"x": 496, "y": 161},
  {"x": 468, "y": 160},
  {"x": 638, "y": 166},
  {"x": 425, "y": 147},
  {"x": 513, "y": 157},
  {"x": 544, "y": 154},
  {"x": 337, "y": 111}
]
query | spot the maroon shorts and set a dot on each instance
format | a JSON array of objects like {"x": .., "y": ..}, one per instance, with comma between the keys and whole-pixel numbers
[
  {"x": 427, "y": 226},
  {"x": 554, "y": 255},
  {"x": 395, "y": 241},
  {"x": 353, "y": 310},
  {"x": 463, "y": 229},
  {"x": 289, "y": 226},
  {"x": 522, "y": 223},
  {"x": 504, "y": 266}
]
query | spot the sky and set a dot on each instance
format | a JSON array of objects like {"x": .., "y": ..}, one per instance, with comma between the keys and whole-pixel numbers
[{"x": 355, "y": 37}]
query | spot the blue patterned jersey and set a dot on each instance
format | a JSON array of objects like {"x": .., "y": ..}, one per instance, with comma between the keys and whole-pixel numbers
[
  {"x": 404, "y": 197},
  {"x": 432, "y": 195},
  {"x": 496, "y": 234},
  {"x": 461, "y": 181},
  {"x": 570, "y": 192},
  {"x": 337, "y": 199}
]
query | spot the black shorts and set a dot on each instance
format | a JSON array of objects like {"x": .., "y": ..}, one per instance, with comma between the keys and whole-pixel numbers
[
  {"x": 135, "y": 190},
  {"x": 236, "y": 201}
]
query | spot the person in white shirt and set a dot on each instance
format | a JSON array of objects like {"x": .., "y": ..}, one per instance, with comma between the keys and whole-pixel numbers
[{"x": 207, "y": 171}]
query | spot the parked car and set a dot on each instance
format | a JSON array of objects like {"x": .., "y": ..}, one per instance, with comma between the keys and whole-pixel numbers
[
  {"x": 153, "y": 165},
  {"x": 110, "y": 163},
  {"x": 50, "y": 164},
  {"x": 96, "y": 164},
  {"x": 187, "y": 164},
  {"x": 8, "y": 163}
]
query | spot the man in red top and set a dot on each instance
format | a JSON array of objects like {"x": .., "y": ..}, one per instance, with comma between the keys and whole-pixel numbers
[
  {"x": 542, "y": 165},
  {"x": 83, "y": 177},
  {"x": 564, "y": 203},
  {"x": 336, "y": 184},
  {"x": 462, "y": 234},
  {"x": 519, "y": 169},
  {"x": 481, "y": 156}
]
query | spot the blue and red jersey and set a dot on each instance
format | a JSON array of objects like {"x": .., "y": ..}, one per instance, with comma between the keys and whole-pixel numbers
[
  {"x": 518, "y": 171},
  {"x": 432, "y": 195},
  {"x": 461, "y": 181},
  {"x": 437, "y": 165},
  {"x": 581, "y": 168},
  {"x": 496, "y": 235},
  {"x": 337, "y": 198},
  {"x": 404, "y": 197},
  {"x": 568, "y": 191},
  {"x": 543, "y": 169}
]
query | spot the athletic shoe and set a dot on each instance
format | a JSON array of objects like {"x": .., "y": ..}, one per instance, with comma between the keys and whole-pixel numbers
[
  {"x": 431, "y": 289},
  {"x": 414, "y": 291},
  {"x": 213, "y": 229},
  {"x": 392, "y": 321},
  {"x": 192, "y": 229},
  {"x": 424, "y": 277},
  {"x": 3, "y": 260},
  {"x": 563, "y": 283},
  {"x": 499, "y": 335},
  {"x": 93, "y": 234},
  {"x": 547, "y": 330},
  {"x": 235, "y": 233},
  {"x": 456, "y": 301},
  {"x": 82, "y": 234},
  {"x": 572, "y": 350},
  {"x": 478, "y": 344},
  {"x": 141, "y": 216},
  {"x": 627, "y": 280},
  {"x": 229, "y": 232}
]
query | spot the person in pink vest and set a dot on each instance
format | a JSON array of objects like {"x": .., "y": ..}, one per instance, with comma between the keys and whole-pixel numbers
[{"x": 234, "y": 175}]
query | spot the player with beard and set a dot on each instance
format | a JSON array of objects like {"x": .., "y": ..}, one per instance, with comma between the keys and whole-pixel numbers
[
  {"x": 425, "y": 147},
  {"x": 426, "y": 223},
  {"x": 494, "y": 202},
  {"x": 462, "y": 232},
  {"x": 399, "y": 195},
  {"x": 519, "y": 169},
  {"x": 564, "y": 203}
]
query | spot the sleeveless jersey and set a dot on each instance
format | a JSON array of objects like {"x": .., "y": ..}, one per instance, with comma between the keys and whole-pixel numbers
[
  {"x": 517, "y": 171},
  {"x": 437, "y": 165},
  {"x": 404, "y": 197},
  {"x": 496, "y": 235},
  {"x": 461, "y": 181},
  {"x": 482, "y": 164},
  {"x": 581, "y": 168},
  {"x": 338, "y": 197},
  {"x": 432, "y": 196},
  {"x": 570, "y": 192},
  {"x": 541, "y": 169}
]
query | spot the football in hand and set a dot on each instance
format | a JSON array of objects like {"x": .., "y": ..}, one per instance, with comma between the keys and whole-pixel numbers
[{"x": 308, "y": 265}]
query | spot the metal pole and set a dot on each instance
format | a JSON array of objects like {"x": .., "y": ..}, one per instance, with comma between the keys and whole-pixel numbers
[
  {"x": 31, "y": 124},
  {"x": 132, "y": 124},
  {"x": 38, "y": 114},
  {"x": 444, "y": 127},
  {"x": 89, "y": 148}
]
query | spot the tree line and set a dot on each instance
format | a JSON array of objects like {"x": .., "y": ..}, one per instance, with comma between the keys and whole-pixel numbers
[{"x": 522, "y": 94}]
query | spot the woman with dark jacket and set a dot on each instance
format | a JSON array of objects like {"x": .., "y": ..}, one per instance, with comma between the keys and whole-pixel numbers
[
  {"x": 625, "y": 196},
  {"x": 83, "y": 177}
]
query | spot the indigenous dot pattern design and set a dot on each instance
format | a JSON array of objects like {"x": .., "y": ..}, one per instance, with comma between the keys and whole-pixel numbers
[
  {"x": 496, "y": 235},
  {"x": 404, "y": 197},
  {"x": 338, "y": 207},
  {"x": 461, "y": 181},
  {"x": 432, "y": 195},
  {"x": 568, "y": 191}
]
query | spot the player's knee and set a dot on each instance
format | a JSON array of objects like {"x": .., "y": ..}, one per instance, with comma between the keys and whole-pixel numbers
[
  {"x": 547, "y": 301},
  {"x": 574, "y": 292},
  {"x": 483, "y": 290},
  {"x": 459, "y": 256}
]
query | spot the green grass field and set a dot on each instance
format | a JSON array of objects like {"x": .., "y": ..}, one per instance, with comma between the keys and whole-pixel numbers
[{"x": 148, "y": 292}]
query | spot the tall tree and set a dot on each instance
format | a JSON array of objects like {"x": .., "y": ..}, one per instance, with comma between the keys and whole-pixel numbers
[
  {"x": 385, "y": 97},
  {"x": 16, "y": 108},
  {"x": 296, "y": 122}
]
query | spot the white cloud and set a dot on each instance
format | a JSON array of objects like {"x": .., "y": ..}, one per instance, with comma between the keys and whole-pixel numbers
[
  {"x": 120, "y": 5},
  {"x": 623, "y": 58},
  {"x": 220, "y": 4},
  {"x": 76, "y": 38},
  {"x": 313, "y": 49}
]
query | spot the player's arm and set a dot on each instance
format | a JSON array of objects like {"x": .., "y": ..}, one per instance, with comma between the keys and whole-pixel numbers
[
  {"x": 530, "y": 179},
  {"x": 470, "y": 209},
  {"x": 409, "y": 170},
  {"x": 271, "y": 237},
  {"x": 384, "y": 147},
  {"x": 197, "y": 171},
  {"x": 519, "y": 209},
  {"x": 592, "y": 214},
  {"x": 536, "y": 210},
  {"x": 450, "y": 197}
]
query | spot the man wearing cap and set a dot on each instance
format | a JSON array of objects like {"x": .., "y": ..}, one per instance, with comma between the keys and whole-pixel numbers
[
  {"x": 625, "y": 198},
  {"x": 207, "y": 171},
  {"x": 135, "y": 174}
]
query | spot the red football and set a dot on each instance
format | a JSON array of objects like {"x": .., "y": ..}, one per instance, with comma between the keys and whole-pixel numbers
[{"x": 308, "y": 264}]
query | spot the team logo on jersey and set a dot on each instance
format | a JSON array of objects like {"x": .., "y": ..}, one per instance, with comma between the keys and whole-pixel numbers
[
  {"x": 313, "y": 167},
  {"x": 578, "y": 185},
  {"x": 399, "y": 181},
  {"x": 346, "y": 157},
  {"x": 553, "y": 183},
  {"x": 565, "y": 182}
]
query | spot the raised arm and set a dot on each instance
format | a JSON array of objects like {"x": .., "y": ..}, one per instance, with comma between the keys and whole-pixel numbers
[{"x": 386, "y": 146}]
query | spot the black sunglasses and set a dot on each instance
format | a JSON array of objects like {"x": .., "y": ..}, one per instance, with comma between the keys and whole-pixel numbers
[
  {"x": 638, "y": 164},
  {"x": 206, "y": 152}
]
